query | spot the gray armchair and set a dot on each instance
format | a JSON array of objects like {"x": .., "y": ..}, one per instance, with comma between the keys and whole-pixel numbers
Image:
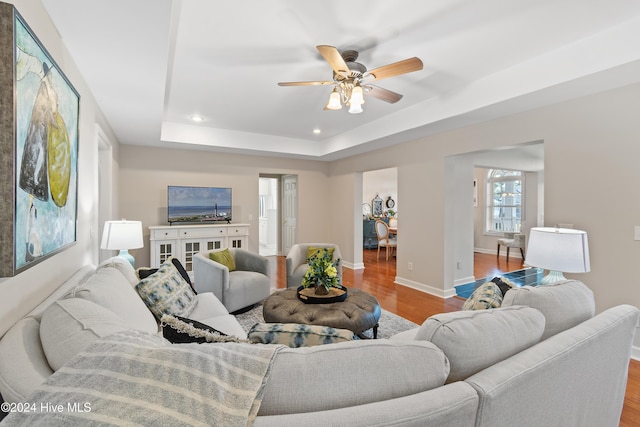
[
  {"x": 248, "y": 284},
  {"x": 297, "y": 261}
]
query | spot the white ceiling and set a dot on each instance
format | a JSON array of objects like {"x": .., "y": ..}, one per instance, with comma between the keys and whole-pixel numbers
[{"x": 152, "y": 64}]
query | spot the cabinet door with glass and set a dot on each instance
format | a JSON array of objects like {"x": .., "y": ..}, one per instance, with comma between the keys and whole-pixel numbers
[{"x": 237, "y": 237}]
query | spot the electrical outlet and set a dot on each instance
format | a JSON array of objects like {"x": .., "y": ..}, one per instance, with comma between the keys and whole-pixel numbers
[
  {"x": 459, "y": 265},
  {"x": 250, "y": 217},
  {"x": 636, "y": 232},
  {"x": 410, "y": 266}
]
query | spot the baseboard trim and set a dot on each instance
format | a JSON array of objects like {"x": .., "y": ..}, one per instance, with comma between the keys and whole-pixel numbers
[
  {"x": 635, "y": 352},
  {"x": 512, "y": 254},
  {"x": 352, "y": 266},
  {"x": 441, "y": 293},
  {"x": 464, "y": 280}
]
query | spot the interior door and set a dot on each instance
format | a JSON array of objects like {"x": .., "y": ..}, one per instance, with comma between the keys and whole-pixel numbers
[{"x": 289, "y": 211}]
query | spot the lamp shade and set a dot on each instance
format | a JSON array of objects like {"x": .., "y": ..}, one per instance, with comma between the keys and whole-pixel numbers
[
  {"x": 558, "y": 249},
  {"x": 121, "y": 235},
  {"x": 334, "y": 100}
]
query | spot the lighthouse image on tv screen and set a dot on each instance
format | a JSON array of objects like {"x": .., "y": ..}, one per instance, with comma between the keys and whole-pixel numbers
[{"x": 199, "y": 204}]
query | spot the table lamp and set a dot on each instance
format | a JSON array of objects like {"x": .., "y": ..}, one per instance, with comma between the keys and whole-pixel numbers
[
  {"x": 122, "y": 235},
  {"x": 559, "y": 250}
]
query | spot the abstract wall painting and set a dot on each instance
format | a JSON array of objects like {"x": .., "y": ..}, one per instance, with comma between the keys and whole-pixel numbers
[{"x": 39, "y": 146}]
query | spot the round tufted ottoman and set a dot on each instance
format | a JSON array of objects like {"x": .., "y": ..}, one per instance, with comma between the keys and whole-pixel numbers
[{"x": 358, "y": 313}]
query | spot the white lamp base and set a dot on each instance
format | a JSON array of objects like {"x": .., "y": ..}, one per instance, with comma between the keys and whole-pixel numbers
[
  {"x": 552, "y": 277},
  {"x": 124, "y": 253}
]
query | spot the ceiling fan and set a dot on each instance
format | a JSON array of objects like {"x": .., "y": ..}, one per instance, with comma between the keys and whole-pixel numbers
[{"x": 351, "y": 79}]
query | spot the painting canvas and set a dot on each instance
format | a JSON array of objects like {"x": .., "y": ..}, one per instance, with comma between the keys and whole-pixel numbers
[{"x": 45, "y": 151}]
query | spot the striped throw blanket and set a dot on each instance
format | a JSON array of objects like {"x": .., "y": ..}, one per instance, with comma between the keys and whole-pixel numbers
[{"x": 132, "y": 378}]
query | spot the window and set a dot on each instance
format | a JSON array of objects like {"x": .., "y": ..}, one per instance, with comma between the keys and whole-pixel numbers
[{"x": 504, "y": 200}]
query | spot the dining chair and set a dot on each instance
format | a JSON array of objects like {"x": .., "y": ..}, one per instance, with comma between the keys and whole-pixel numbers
[
  {"x": 512, "y": 240},
  {"x": 382, "y": 230}
]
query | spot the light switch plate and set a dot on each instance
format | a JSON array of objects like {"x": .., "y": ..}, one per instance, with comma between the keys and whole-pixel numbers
[{"x": 636, "y": 232}]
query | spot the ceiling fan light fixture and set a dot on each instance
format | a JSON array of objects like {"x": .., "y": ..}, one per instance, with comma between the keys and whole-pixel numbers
[
  {"x": 357, "y": 96},
  {"x": 355, "y": 109},
  {"x": 334, "y": 101}
]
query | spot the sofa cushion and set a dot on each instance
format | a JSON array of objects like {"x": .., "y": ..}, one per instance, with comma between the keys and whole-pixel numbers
[
  {"x": 475, "y": 340},
  {"x": 111, "y": 290},
  {"x": 297, "y": 335},
  {"x": 123, "y": 266},
  {"x": 563, "y": 304},
  {"x": 488, "y": 295},
  {"x": 166, "y": 292},
  {"x": 68, "y": 326},
  {"x": 224, "y": 257},
  {"x": 23, "y": 364},
  {"x": 326, "y": 377}
]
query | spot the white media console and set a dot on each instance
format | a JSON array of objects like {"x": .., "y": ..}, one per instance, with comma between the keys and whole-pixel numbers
[{"x": 184, "y": 241}]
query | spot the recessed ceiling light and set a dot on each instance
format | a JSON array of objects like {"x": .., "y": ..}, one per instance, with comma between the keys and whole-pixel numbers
[
  {"x": 317, "y": 131},
  {"x": 197, "y": 118}
]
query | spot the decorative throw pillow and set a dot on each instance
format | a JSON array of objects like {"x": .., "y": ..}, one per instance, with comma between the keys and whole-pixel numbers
[
  {"x": 181, "y": 330},
  {"x": 475, "y": 340},
  {"x": 297, "y": 335},
  {"x": 144, "y": 272},
  {"x": 488, "y": 295},
  {"x": 504, "y": 284},
  {"x": 313, "y": 251},
  {"x": 166, "y": 292},
  {"x": 225, "y": 258}
]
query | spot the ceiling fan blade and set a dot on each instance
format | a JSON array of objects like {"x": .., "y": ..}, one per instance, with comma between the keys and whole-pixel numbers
[
  {"x": 397, "y": 68},
  {"x": 383, "y": 94},
  {"x": 304, "y": 83},
  {"x": 333, "y": 57}
]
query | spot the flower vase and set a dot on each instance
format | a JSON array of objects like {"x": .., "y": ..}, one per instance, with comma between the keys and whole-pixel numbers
[{"x": 321, "y": 289}]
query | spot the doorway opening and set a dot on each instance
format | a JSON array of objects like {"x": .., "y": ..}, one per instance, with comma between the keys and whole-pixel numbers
[
  {"x": 268, "y": 214},
  {"x": 379, "y": 201}
]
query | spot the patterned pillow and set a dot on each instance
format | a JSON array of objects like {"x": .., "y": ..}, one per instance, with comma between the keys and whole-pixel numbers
[
  {"x": 488, "y": 295},
  {"x": 181, "y": 330},
  {"x": 313, "y": 251},
  {"x": 144, "y": 272},
  {"x": 225, "y": 258},
  {"x": 297, "y": 335},
  {"x": 166, "y": 292}
]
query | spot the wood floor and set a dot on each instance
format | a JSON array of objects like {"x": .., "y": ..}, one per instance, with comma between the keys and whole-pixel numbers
[{"x": 378, "y": 279}]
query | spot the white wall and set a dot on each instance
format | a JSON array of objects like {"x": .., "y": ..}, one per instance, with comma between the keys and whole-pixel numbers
[
  {"x": 20, "y": 294},
  {"x": 590, "y": 154},
  {"x": 146, "y": 172}
]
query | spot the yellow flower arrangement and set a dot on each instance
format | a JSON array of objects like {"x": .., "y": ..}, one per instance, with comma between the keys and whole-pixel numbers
[{"x": 322, "y": 272}]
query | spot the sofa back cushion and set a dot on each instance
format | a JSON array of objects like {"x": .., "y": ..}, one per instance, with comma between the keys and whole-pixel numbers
[
  {"x": 111, "y": 290},
  {"x": 563, "y": 304},
  {"x": 68, "y": 326},
  {"x": 332, "y": 376},
  {"x": 123, "y": 266},
  {"x": 475, "y": 340}
]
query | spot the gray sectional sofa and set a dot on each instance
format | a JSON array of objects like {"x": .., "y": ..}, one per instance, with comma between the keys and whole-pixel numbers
[{"x": 482, "y": 368}]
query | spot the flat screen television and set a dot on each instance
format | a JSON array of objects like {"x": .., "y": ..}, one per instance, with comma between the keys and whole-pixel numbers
[{"x": 199, "y": 204}]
